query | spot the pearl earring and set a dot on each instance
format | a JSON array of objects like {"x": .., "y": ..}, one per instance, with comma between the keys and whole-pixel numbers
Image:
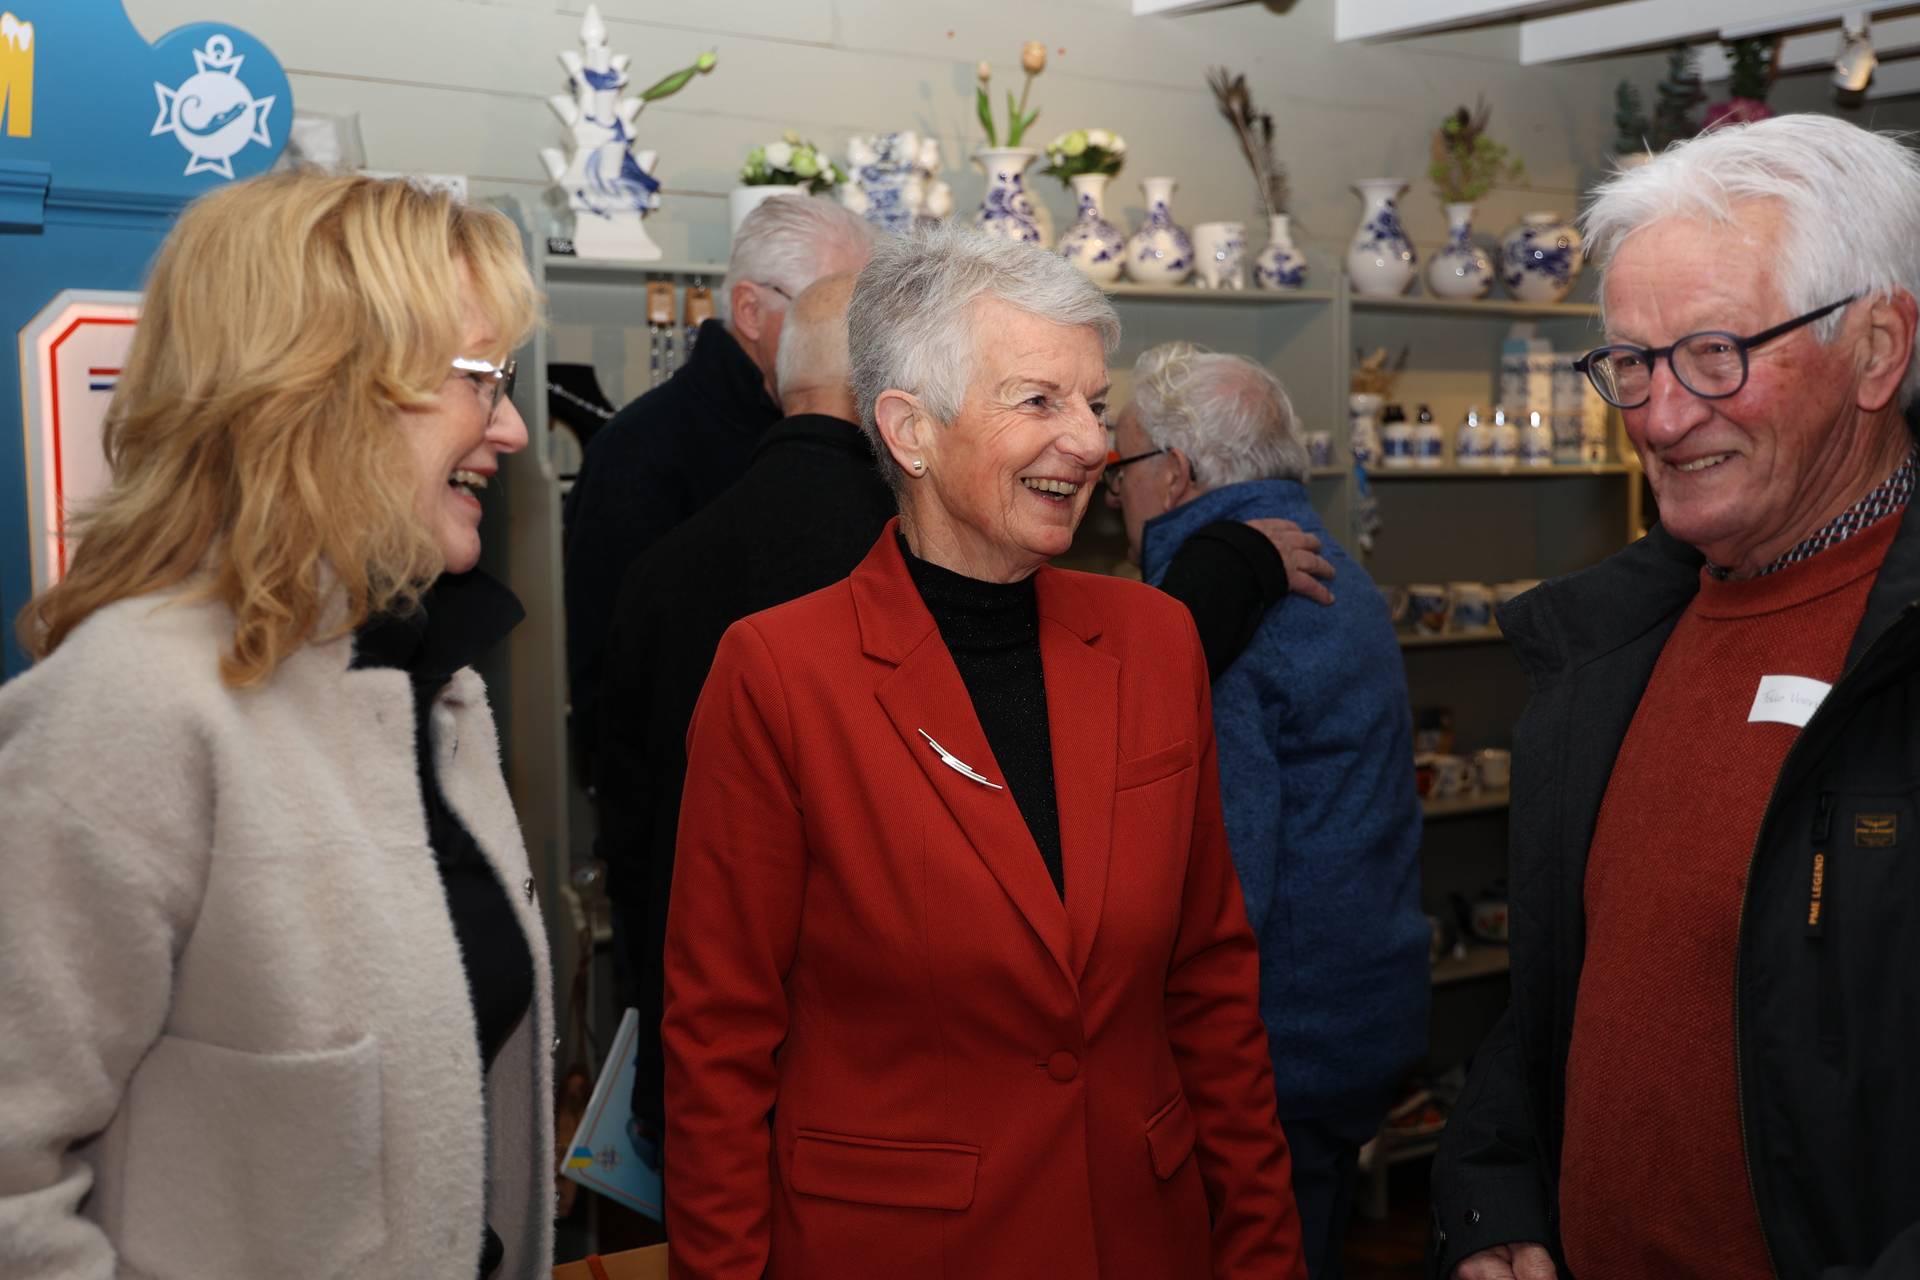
[{"x": 918, "y": 466}]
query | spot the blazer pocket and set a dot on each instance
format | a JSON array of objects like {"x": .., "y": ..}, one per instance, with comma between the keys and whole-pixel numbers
[
  {"x": 1170, "y": 1136},
  {"x": 244, "y": 1164},
  {"x": 905, "y": 1175},
  {"x": 1155, "y": 765}
]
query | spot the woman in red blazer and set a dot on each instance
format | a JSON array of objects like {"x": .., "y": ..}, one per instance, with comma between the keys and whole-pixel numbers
[{"x": 958, "y": 978}]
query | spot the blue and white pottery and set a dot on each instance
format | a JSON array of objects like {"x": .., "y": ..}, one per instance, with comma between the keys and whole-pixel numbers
[
  {"x": 1380, "y": 259},
  {"x": 1462, "y": 269},
  {"x": 1540, "y": 258},
  {"x": 1160, "y": 252},
  {"x": 1007, "y": 211},
  {"x": 1220, "y": 255},
  {"x": 1093, "y": 244},
  {"x": 1280, "y": 265},
  {"x": 893, "y": 180}
]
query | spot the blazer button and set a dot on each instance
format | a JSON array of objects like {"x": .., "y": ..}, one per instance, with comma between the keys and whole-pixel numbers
[
  {"x": 1062, "y": 1066},
  {"x": 1473, "y": 1217},
  {"x": 526, "y": 887}
]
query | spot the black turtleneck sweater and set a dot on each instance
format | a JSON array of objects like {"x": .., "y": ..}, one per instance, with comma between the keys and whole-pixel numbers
[
  {"x": 992, "y": 629},
  {"x": 460, "y": 618}
]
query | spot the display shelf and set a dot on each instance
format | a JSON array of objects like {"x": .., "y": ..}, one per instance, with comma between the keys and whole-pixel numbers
[
  {"x": 1242, "y": 297},
  {"x": 1327, "y": 473},
  {"x": 1471, "y": 802},
  {"x": 1506, "y": 307},
  {"x": 569, "y": 270},
  {"x": 1472, "y": 635},
  {"x": 1450, "y": 472},
  {"x": 1480, "y": 961}
]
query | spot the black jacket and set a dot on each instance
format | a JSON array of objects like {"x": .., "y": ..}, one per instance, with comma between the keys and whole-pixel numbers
[
  {"x": 1827, "y": 1027},
  {"x": 656, "y": 462},
  {"x": 806, "y": 512}
]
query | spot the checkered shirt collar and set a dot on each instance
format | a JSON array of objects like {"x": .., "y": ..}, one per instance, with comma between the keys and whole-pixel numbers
[{"x": 1889, "y": 496}]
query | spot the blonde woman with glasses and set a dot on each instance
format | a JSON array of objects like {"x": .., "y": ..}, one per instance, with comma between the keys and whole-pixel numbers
[{"x": 275, "y": 997}]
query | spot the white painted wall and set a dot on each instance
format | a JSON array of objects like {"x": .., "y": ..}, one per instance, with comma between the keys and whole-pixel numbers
[{"x": 459, "y": 86}]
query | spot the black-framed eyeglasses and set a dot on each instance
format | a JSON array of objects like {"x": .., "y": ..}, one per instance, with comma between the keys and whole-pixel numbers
[
  {"x": 494, "y": 381},
  {"x": 1117, "y": 464},
  {"x": 1711, "y": 364},
  {"x": 766, "y": 284}
]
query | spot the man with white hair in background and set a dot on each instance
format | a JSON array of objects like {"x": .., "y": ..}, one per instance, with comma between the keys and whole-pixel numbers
[
  {"x": 673, "y": 450},
  {"x": 1708, "y": 1065},
  {"x": 1316, "y": 768}
]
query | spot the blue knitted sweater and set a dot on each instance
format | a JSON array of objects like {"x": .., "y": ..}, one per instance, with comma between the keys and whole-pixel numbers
[{"x": 1316, "y": 778}]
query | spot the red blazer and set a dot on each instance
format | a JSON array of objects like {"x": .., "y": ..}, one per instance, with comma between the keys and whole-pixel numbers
[{"x": 891, "y": 1051}]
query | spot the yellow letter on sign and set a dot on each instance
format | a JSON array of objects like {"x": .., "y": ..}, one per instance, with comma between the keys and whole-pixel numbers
[{"x": 16, "y": 76}]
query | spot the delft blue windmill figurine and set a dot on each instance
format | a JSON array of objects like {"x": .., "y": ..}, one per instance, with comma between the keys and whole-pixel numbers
[{"x": 609, "y": 186}]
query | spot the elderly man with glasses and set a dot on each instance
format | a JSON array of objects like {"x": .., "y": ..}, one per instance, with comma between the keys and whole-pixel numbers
[{"x": 1707, "y": 1066}]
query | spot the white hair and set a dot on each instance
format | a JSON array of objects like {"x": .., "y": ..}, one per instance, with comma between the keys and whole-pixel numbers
[
  {"x": 1227, "y": 414},
  {"x": 1850, "y": 200},
  {"x": 909, "y": 327},
  {"x": 786, "y": 242}
]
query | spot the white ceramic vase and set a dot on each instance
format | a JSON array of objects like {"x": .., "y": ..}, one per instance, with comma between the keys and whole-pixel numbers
[
  {"x": 742, "y": 201},
  {"x": 1160, "y": 252},
  {"x": 1220, "y": 255},
  {"x": 1280, "y": 265},
  {"x": 1380, "y": 259},
  {"x": 1007, "y": 211},
  {"x": 1540, "y": 258},
  {"x": 1462, "y": 269},
  {"x": 1363, "y": 427},
  {"x": 1093, "y": 244}
]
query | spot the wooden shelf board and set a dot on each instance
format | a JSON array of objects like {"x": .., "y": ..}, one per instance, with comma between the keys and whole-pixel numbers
[
  {"x": 1194, "y": 293},
  {"x": 566, "y": 270},
  {"x": 1556, "y": 472},
  {"x": 1506, "y": 308},
  {"x": 1477, "y": 635},
  {"x": 1481, "y": 961},
  {"x": 1471, "y": 802}
]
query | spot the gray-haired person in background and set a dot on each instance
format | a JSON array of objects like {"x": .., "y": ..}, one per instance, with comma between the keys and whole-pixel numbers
[
  {"x": 1708, "y": 1065},
  {"x": 672, "y": 451}
]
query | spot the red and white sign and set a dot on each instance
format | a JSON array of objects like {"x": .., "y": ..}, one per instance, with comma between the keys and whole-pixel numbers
[{"x": 70, "y": 360}]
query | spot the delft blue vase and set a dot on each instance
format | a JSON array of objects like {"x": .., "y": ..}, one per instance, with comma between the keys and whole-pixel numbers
[
  {"x": 1093, "y": 244},
  {"x": 1380, "y": 259},
  {"x": 1540, "y": 258},
  {"x": 1280, "y": 265},
  {"x": 1007, "y": 211},
  {"x": 1160, "y": 252},
  {"x": 1462, "y": 269}
]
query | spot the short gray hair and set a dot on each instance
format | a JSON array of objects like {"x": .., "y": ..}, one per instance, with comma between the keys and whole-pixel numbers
[
  {"x": 1228, "y": 415},
  {"x": 786, "y": 240},
  {"x": 909, "y": 327},
  {"x": 1851, "y": 201}
]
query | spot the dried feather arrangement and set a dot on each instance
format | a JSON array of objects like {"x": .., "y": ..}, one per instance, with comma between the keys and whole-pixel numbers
[{"x": 1254, "y": 129}]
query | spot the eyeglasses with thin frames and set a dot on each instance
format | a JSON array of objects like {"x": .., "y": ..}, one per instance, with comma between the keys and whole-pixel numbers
[
  {"x": 1711, "y": 364},
  {"x": 492, "y": 381},
  {"x": 1116, "y": 465}
]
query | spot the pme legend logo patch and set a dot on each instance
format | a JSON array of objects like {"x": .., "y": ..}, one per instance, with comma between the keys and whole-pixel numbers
[{"x": 1876, "y": 830}]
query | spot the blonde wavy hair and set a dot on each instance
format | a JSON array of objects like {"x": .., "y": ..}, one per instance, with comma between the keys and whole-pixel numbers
[{"x": 255, "y": 439}]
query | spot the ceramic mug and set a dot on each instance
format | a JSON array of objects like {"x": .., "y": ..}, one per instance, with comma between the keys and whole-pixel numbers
[
  {"x": 1220, "y": 255},
  {"x": 1470, "y": 606},
  {"x": 1494, "y": 767},
  {"x": 1451, "y": 774},
  {"x": 1429, "y": 607},
  {"x": 1423, "y": 773}
]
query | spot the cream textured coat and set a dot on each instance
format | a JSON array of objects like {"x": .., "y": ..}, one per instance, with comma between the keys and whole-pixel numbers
[{"x": 235, "y": 1033}]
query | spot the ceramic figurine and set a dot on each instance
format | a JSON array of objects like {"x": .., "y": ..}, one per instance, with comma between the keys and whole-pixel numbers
[
  {"x": 1462, "y": 269},
  {"x": 1220, "y": 255},
  {"x": 1007, "y": 211},
  {"x": 1093, "y": 244},
  {"x": 1160, "y": 252},
  {"x": 1380, "y": 259},
  {"x": 1280, "y": 265},
  {"x": 1540, "y": 258},
  {"x": 893, "y": 180}
]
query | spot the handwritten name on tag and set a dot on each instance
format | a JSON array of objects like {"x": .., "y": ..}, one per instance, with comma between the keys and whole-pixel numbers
[{"x": 1787, "y": 699}]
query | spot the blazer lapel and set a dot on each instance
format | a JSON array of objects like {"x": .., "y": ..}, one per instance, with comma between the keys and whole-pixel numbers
[
  {"x": 1083, "y": 691},
  {"x": 925, "y": 697}
]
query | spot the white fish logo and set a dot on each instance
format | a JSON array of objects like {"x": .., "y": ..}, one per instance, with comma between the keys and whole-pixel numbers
[{"x": 213, "y": 114}]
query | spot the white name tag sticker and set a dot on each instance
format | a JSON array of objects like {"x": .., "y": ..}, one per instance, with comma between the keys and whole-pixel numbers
[{"x": 1787, "y": 699}]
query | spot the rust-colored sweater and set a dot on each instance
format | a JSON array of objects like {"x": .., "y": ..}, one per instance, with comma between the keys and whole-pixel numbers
[{"x": 1653, "y": 1173}]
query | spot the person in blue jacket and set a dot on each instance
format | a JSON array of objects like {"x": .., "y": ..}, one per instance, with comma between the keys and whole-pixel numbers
[{"x": 1316, "y": 769}]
